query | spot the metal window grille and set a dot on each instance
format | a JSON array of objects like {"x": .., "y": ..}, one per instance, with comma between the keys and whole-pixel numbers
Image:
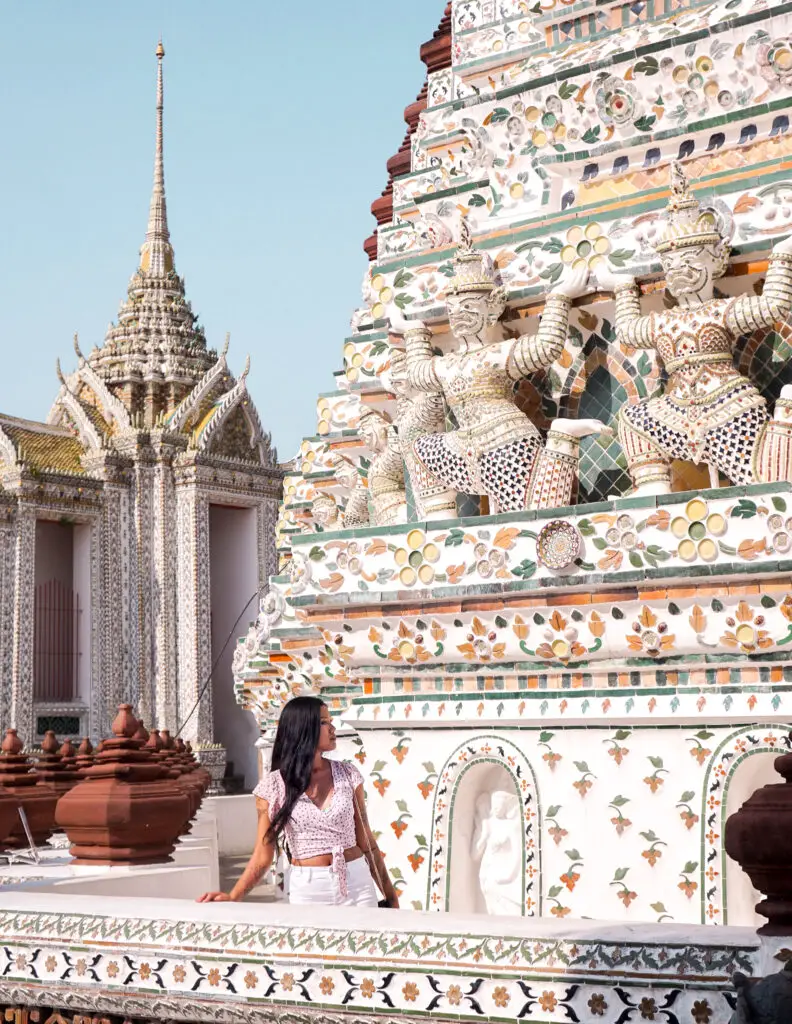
[{"x": 56, "y": 642}]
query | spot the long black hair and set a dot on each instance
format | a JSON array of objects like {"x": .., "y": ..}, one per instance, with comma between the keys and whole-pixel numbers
[{"x": 293, "y": 753}]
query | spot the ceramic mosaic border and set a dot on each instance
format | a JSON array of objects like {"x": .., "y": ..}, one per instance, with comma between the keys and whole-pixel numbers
[
  {"x": 194, "y": 969},
  {"x": 429, "y": 561},
  {"x": 627, "y": 629},
  {"x": 664, "y": 707}
]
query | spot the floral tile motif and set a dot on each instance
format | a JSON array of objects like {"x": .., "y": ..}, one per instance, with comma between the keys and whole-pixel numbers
[
  {"x": 184, "y": 968},
  {"x": 621, "y": 821},
  {"x": 727, "y": 532}
]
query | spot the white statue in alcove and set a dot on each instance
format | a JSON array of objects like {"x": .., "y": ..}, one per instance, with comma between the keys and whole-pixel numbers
[{"x": 496, "y": 850}]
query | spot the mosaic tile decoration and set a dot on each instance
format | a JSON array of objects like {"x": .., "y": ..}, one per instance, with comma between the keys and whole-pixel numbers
[{"x": 193, "y": 970}]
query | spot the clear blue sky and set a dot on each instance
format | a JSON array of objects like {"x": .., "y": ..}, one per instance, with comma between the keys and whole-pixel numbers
[{"x": 279, "y": 118}]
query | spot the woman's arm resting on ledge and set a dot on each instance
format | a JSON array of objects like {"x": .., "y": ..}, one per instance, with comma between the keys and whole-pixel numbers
[{"x": 259, "y": 863}]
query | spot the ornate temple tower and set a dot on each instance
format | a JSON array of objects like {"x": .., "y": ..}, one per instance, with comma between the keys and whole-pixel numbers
[
  {"x": 156, "y": 352},
  {"x": 601, "y": 678},
  {"x": 154, "y": 464}
]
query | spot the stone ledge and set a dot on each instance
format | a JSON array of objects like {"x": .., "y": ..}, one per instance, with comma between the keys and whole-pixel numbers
[
  {"x": 228, "y": 962},
  {"x": 709, "y": 535}
]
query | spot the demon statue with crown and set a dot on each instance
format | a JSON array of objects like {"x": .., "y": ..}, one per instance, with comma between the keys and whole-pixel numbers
[
  {"x": 386, "y": 472},
  {"x": 418, "y": 413},
  {"x": 709, "y": 412},
  {"x": 495, "y": 449}
]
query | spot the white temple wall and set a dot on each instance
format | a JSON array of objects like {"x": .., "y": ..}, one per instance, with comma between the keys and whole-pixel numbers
[
  {"x": 623, "y": 821},
  {"x": 234, "y": 580},
  {"x": 148, "y": 590}
]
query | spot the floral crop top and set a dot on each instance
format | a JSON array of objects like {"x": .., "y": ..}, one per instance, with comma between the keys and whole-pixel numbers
[{"x": 311, "y": 831}]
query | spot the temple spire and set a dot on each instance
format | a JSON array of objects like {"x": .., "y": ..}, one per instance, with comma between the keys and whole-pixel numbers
[
  {"x": 155, "y": 352},
  {"x": 156, "y": 254}
]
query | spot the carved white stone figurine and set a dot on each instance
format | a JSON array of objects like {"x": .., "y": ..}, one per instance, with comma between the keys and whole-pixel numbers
[
  {"x": 386, "y": 472},
  {"x": 709, "y": 413},
  {"x": 497, "y": 851},
  {"x": 325, "y": 512},
  {"x": 356, "y": 509},
  {"x": 496, "y": 450},
  {"x": 419, "y": 413}
]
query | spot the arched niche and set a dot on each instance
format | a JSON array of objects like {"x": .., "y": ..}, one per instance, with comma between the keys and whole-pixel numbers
[
  {"x": 740, "y": 897},
  {"x": 487, "y": 847},
  {"x": 461, "y": 780},
  {"x": 741, "y": 764}
]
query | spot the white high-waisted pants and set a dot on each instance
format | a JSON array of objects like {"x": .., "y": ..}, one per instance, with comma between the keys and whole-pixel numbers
[{"x": 320, "y": 885}]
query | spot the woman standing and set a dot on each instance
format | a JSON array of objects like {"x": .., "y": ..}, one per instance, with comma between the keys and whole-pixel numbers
[{"x": 319, "y": 807}]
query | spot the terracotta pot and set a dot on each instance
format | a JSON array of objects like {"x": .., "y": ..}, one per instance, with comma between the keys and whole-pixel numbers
[
  {"x": 85, "y": 756},
  {"x": 142, "y": 733},
  {"x": 758, "y": 837},
  {"x": 9, "y": 815},
  {"x": 202, "y": 773},
  {"x": 18, "y": 780},
  {"x": 68, "y": 754},
  {"x": 181, "y": 774},
  {"x": 51, "y": 769},
  {"x": 126, "y": 810}
]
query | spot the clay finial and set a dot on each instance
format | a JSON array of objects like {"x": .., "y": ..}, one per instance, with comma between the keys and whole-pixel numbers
[
  {"x": 50, "y": 743},
  {"x": 12, "y": 744},
  {"x": 180, "y": 747},
  {"x": 167, "y": 739},
  {"x": 125, "y": 724},
  {"x": 85, "y": 748},
  {"x": 154, "y": 742},
  {"x": 141, "y": 733}
]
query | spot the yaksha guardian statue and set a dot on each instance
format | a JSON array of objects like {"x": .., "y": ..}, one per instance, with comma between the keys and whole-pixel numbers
[
  {"x": 356, "y": 510},
  {"x": 325, "y": 512},
  {"x": 419, "y": 413},
  {"x": 495, "y": 450},
  {"x": 709, "y": 412},
  {"x": 386, "y": 472}
]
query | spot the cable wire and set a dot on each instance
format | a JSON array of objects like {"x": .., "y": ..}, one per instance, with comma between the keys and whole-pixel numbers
[{"x": 205, "y": 686}]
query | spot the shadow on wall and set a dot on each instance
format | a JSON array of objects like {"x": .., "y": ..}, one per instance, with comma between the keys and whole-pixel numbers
[{"x": 486, "y": 844}]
